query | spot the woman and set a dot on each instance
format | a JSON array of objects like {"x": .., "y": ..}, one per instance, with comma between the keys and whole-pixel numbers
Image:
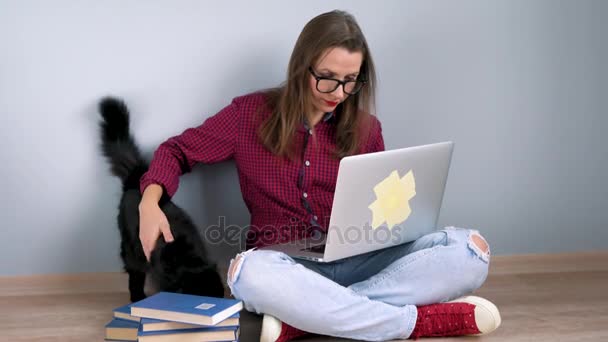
[{"x": 287, "y": 143}]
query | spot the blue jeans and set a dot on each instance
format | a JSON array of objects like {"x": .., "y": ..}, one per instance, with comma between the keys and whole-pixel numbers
[{"x": 370, "y": 297}]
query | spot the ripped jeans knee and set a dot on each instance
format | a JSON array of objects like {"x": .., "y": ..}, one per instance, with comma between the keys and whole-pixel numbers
[
  {"x": 476, "y": 244},
  {"x": 471, "y": 257},
  {"x": 479, "y": 245},
  {"x": 253, "y": 277},
  {"x": 235, "y": 267}
]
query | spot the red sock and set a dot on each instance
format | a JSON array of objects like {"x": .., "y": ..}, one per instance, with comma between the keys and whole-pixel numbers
[
  {"x": 288, "y": 332},
  {"x": 445, "y": 319}
]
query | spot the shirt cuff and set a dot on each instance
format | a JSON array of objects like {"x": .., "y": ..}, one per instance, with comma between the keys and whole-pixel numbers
[{"x": 169, "y": 186}]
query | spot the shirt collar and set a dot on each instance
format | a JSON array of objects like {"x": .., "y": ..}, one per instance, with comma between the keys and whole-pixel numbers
[{"x": 326, "y": 117}]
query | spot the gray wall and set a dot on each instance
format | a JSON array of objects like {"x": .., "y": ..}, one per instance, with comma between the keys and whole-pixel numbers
[{"x": 519, "y": 86}]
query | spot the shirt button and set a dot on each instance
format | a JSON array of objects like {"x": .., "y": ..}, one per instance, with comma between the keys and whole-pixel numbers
[
  {"x": 307, "y": 163},
  {"x": 315, "y": 217},
  {"x": 305, "y": 195},
  {"x": 310, "y": 131}
]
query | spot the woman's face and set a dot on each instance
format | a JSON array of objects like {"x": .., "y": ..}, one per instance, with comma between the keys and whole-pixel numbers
[{"x": 338, "y": 63}]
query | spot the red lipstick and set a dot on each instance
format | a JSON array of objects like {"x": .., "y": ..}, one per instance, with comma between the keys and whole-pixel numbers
[{"x": 331, "y": 104}]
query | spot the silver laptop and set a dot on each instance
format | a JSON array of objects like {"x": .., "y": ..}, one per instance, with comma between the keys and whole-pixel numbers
[{"x": 381, "y": 199}]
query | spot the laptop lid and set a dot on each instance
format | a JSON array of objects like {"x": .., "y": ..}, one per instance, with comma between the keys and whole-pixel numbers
[{"x": 386, "y": 198}]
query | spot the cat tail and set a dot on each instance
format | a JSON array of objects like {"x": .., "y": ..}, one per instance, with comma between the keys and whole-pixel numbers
[{"x": 118, "y": 145}]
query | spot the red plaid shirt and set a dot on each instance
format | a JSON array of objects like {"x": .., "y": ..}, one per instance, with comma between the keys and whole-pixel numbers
[{"x": 287, "y": 199}]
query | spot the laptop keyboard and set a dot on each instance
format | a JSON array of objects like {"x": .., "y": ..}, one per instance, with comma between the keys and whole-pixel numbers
[{"x": 315, "y": 249}]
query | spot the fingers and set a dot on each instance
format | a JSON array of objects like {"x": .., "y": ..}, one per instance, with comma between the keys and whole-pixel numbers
[
  {"x": 166, "y": 232},
  {"x": 148, "y": 241},
  {"x": 147, "y": 245},
  {"x": 152, "y": 224},
  {"x": 147, "y": 253}
]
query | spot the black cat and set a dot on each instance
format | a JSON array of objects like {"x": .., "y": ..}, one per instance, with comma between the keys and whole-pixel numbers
[{"x": 180, "y": 266}]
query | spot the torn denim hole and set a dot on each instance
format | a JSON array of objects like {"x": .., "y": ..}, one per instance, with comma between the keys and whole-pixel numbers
[
  {"x": 484, "y": 255},
  {"x": 235, "y": 268}
]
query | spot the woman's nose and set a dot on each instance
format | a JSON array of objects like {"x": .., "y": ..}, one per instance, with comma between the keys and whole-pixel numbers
[{"x": 339, "y": 92}]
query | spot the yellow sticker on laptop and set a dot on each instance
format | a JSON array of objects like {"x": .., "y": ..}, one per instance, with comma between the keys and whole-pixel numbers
[{"x": 392, "y": 199}]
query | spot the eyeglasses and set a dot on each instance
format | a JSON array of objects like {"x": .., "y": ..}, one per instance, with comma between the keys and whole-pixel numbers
[{"x": 329, "y": 85}]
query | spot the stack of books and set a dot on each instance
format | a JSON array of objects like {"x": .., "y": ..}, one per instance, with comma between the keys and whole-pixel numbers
[{"x": 168, "y": 316}]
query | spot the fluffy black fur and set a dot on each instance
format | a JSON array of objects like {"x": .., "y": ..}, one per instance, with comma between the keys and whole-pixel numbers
[{"x": 180, "y": 266}]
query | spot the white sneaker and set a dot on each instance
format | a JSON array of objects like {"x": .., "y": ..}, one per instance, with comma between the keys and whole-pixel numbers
[{"x": 271, "y": 329}]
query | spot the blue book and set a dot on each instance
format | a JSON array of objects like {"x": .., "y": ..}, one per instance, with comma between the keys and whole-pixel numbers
[
  {"x": 184, "y": 308},
  {"x": 124, "y": 312},
  {"x": 149, "y": 324},
  {"x": 122, "y": 330},
  {"x": 191, "y": 335}
]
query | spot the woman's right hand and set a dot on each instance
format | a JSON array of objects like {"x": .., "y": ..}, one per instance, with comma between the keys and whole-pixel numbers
[{"x": 152, "y": 221}]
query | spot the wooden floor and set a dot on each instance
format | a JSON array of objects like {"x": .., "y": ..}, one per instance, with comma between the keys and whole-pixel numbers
[{"x": 562, "y": 297}]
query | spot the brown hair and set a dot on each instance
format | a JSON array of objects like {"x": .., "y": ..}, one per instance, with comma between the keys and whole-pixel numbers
[{"x": 290, "y": 102}]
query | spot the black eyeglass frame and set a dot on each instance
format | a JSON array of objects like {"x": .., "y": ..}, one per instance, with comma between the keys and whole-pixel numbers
[{"x": 339, "y": 83}]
